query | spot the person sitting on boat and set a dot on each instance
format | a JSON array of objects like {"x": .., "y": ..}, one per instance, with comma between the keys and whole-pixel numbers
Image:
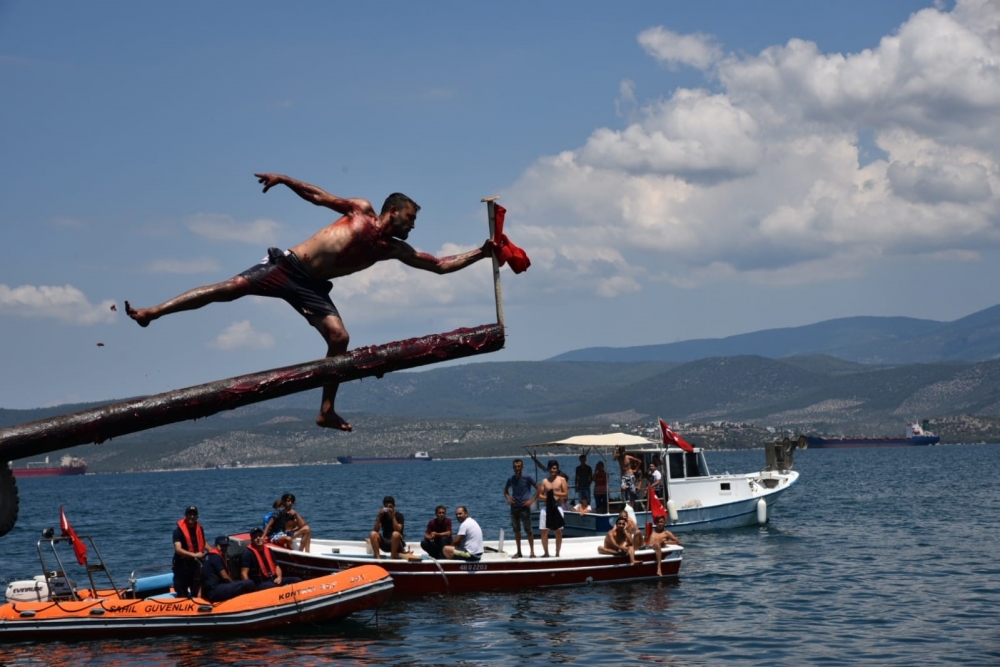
[
  {"x": 257, "y": 564},
  {"x": 633, "y": 526},
  {"x": 521, "y": 492},
  {"x": 583, "y": 507},
  {"x": 216, "y": 582},
  {"x": 659, "y": 538},
  {"x": 287, "y": 524},
  {"x": 618, "y": 542},
  {"x": 189, "y": 549},
  {"x": 280, "y": 538},
  {"x": 438, "y": 534},
  {"x": 555, "y": 490},
  {"x": 468, "y": 544},
  {"x": 600, "y": 487},
  {"x": 387, "y": 533}
]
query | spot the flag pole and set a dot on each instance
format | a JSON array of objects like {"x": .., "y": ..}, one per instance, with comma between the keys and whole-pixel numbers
[{"x": 491, "y": 212}]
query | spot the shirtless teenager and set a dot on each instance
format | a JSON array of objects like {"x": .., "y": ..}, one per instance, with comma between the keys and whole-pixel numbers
[
  {"x": 659, "y": 538},
  {"x": 301, "y": 275},
  {"x": 618, "y": 542},
  {"x": 559, "y": 488}
]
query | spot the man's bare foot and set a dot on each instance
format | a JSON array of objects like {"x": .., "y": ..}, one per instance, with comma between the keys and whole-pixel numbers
[
  {"x": 659, "y": 573},
  {"x": 141, "y": 316},
  {"x": 334, "y": 421}
]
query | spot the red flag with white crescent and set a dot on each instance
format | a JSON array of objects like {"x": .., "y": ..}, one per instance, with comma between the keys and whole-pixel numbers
[
  {"x": 671, "y": 438},
  {"x": 79, "y": 548},
  {"x": 655, "y": 506}
]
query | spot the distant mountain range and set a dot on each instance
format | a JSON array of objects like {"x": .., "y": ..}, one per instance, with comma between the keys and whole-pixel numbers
[
  {"x": 862, "y": 376},
  {"x": 865, "y": 340}
]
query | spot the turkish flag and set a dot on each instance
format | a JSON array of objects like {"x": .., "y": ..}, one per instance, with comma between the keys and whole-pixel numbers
[
  {"x": 671, "y": 438},
  {"x": 507, "y": 252},
  {"x": 79, "y": 548},
  {"x": 655, "y": 506}
]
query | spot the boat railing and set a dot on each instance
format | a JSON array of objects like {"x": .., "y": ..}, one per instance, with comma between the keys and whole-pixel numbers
[{"x": 61, "y": 586}]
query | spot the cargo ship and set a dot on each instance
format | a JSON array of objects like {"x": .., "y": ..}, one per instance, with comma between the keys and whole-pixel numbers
[
  {"x": 916, "y": 435},
  {"x": 415, "y": 456},
  {"x": 69, "y": 465}
]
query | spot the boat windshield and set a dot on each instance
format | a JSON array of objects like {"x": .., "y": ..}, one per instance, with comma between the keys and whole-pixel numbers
[{"x": 687, "y": 464}]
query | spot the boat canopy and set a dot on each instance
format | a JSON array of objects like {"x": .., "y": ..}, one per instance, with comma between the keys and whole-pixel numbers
[{"x": 605, "y": 440}]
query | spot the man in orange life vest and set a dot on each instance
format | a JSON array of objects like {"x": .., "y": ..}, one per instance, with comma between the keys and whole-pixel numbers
[
  {"x": 189, "y": 550},
  {"x": 216, "y": 582},
  {"x": 259, "y": 567}
]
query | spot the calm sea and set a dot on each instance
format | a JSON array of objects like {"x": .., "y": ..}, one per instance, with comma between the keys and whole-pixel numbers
[{"x": 876, "y": 557}]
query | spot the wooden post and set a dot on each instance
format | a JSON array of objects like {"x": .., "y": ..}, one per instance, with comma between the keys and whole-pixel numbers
[
  {"x": 491, "y": 212},
  {"x": 99, "y": 424}
]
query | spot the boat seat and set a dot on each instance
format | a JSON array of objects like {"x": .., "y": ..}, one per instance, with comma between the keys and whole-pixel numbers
[{"x": 158, "y": 585}]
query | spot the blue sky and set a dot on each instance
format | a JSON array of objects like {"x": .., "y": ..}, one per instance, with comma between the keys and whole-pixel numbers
[{"x": 675, "y": 171}]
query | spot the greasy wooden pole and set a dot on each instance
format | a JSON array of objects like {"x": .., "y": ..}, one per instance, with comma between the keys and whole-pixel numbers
[
  {"x": 491, "y": 211},
  {"x": 99, "y": 424}
]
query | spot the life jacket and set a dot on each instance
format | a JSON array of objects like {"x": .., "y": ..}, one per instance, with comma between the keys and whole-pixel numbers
[
  {"x": 199, "y": 536},
  {"x": 265, "y": 562}
]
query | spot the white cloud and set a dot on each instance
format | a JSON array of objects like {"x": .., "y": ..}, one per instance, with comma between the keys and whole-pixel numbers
[
  {"x": 65, "y": 303},
  {"x": 182, "y": 266},
  {"x": 220, "y": 227},
  {"x": 698, "y": 50},
  {"x": 759, "y": 176},
  {"x": 242, "y": 336}
]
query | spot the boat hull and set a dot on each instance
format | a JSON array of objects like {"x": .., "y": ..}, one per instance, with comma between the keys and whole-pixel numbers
[
  {"x": 578, "y": 565},
  {"x": 400, "y": 459},
  {"x": 108, "y": 614},
  {"x": 813, "y": 442},
  {"x": 21, "y": 473}
]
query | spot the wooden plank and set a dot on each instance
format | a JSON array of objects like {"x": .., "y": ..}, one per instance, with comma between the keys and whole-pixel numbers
[{"x": 103, "y": 423}]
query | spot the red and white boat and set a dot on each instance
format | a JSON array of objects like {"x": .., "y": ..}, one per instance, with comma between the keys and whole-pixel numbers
[
  {"x": 578, "y": 564},
  {"x": 69, "y": 465}
]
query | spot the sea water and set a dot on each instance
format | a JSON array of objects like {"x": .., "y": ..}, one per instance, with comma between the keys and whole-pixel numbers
[{"x": 876, "y": 557}]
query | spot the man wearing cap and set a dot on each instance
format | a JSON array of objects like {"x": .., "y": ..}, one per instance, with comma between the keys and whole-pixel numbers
[
  {"x": 189, "y": 549},
  {"x": 216, "y": 582},
  {"x": 257, "y": 564}
]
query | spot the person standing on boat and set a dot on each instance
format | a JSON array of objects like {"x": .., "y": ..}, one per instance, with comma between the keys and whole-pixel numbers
[
  {"x": 659, "y": 538},
  {"x": 387, "y": 533},
  {"x": 468, "y": 544},
  {"x": 257, "y": 564},
  {"x": 629, "y": 464},
  {"x": 301, "y": 275},
  {"x": 600, "y": 487},
  {"x": 618, "y": 542},
  {"x": 521, "y": 492},
  {"x": 582, "y": 478},
  {"x": 189, "y": 549},
  {"x": 438, "y": 534},
  {"x": 555, "y": 490},
  {"x": 216, "y": 582},
  {"x": 655, "y": 479}
]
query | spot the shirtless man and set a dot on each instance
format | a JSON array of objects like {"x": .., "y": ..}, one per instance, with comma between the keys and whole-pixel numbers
[
  {"x": 618, "y": 542},
  {"x": 301, "y": 275},
  {"x": 559, "y": 487},
  {"x": 659, "y": 538}
]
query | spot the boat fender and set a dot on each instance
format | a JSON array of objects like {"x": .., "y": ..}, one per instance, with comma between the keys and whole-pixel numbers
[
  {"x": 672, "y": 510},
  {"x": 761, "y": 511}
]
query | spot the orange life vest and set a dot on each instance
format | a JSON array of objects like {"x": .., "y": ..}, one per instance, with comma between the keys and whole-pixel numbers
[
  {"x": 265, "y": 562},
  {"x": 199, "y": 536}
]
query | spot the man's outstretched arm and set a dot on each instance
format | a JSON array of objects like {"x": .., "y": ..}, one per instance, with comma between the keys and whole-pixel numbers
[
  {"x": 440, "y": 265},
  {"x": 310, "y": 193}
]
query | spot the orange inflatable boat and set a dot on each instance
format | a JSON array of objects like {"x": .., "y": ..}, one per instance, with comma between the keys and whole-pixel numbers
[{"x": 53, "y": 607}]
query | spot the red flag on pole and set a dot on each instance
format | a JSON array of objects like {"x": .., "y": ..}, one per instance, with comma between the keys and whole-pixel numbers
[
  {"x": 507, "y": 252},
  {"x": 655, "y": 506},
  {"x": 671, "y": 438},
  {"x": 79, "y": 548}
]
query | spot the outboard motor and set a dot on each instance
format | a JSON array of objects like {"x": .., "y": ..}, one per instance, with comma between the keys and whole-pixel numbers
[
  {"x": 40, "y": 589},
  {"x": 779, "y": 455}
]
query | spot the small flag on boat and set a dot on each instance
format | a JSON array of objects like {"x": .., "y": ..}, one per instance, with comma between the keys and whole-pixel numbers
[
  {"x": 79, "y": 548},
  {"x": 507, "y": 252},
  {"x": 671, "y": 438},
  {"x": 655, "y": 506}
]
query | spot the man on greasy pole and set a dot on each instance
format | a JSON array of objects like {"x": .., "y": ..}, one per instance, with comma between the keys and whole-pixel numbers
[{"x": 301, "y": 275}]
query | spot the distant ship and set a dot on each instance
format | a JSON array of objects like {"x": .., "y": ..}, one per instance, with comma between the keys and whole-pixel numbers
[
  {"x": 69, "y": 465},
  {"x": 415, "y": 456},
  {"x": 915, "y": 436}
]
